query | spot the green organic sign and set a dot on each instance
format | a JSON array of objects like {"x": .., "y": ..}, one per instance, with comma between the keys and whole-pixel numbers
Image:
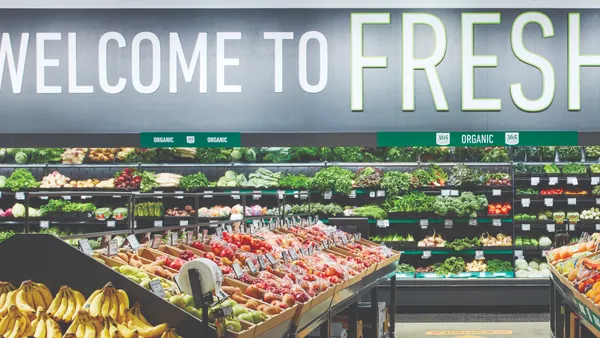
[
  {"x": 192, "y": 140},
  {"x": 588, "y": 315},
  {"x": 478, "y": 139}
]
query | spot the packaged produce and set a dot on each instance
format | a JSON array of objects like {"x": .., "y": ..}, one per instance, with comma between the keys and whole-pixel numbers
[{"x": 74, "y": 155}]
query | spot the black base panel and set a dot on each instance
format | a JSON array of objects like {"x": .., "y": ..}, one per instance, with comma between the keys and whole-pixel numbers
[{"x": 470, "y": 293}]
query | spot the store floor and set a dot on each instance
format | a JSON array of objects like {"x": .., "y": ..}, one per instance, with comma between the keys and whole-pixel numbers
[{"x": 459, "y": 325}]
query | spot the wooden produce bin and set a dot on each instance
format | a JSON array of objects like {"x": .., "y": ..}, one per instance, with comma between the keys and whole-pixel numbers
[{"x": 285, "y": 315}]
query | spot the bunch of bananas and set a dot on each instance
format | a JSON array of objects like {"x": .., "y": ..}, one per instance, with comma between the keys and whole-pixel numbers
[
  {"x": 6, "y": 291},
  {"x": 66, "y": 304},
  {"x": 15, "y": 324},
  {"x": 144, "y": 328},
  {"x": 84, "y": 325},
  {"x": 108, "y": 301},
  {"x": 170, "y": 333},
  {"x": 30, "y": 295},
  {"x": 44, "y": 326}
]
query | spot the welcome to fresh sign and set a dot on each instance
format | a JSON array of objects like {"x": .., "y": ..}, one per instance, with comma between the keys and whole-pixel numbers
[{"x": 300, "y": 70}]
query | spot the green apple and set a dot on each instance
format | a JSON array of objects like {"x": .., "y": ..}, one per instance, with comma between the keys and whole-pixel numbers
[
  {"x": 189, "y": 300},
  {"x": 246, "y": 316},
  {"x": 238, "y": 310},
  {"x": 145, "y": 283},
  {"x": 229, "y": 302},
  {"x": 194, "y": 312},
  {"x": 256, "y": 317},
  {"x": 177, "y": 301},
  {"x": 233, "y": 325}
]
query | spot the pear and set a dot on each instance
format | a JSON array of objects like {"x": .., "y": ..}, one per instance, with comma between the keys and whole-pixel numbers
[{"x": 177, "y": 301}]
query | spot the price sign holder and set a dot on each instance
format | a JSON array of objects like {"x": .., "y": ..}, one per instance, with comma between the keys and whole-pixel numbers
[
  {"x": 156, "y": 240},
  {"x": 251, "y": 266},
  {"x": 454, "y": 193},
  {"x": 448, "y": 223},
  {"x": 327, "y": 195},
  {"x": 229, "y": 229},
  {"x": 571, "y": 226},
  {"x": 535, "y": 181},
  {"x": 157, "y": 288},
  {"x": 158, "y": 223},
  {"x": 293, "y": 254},
  {"x": 572, "y": 201},
  {"x": 519, "y": 253},
  {"x": 550, "y": 227},
  {"x": 205, "y": 235},
  {"x": 597, "y": 227},
  {"x": 113, "y": 247},
  {"x": 184, "y": 222},
  {"x": 525, "y": 202},
  {"x": 372, "y": 194},
  {"x": 549, "y": 202},
  {"x": 237, "y": 270},
  {"x": 496, "y": 222},
  {"x": 133, "y": 242},
  {"x": 380, "y": 193},
  {"x": 20, "y": 196},
  {"x": 595, "y": 180},
  {"x": 271, "y": 259},
  {"x": 352, "y": 194},
  {"x": 220, "y": 232},
  {"x": 173, "y": 237},
  {"x": 262, "y": 264},
  {"x": 426, "y": 254},
  {"x": 552, "y": 180},
  {"x": 85, "y": 247},
  {"x": 189, "y": 237},
  {"x": 445, "y": 192},
  {"x": 473, "y": 222},
  {"x": 526, "y": 227},
  {"x": 479, "y": 254},
  {"x": 496, "y": 192},
  {"x": 424, "y": 223},
  {"x": 111, "y": 224},
  {"x": 44, "y": 224},
  {"x": 325, "y": 244}
]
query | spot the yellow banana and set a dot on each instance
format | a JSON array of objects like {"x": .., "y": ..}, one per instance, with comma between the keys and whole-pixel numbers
[
  {"x": 126, "y": 332},
  {"x": 3, "y": 299},
  {"x": 46, "y": 294},
  {"x": 123, "y": 304},
  {"x": 92, "y": 296},
  {"x": 80, "y": 329},
  {"x": 71, "y": 306},
  {"x": 38, "y": 298},
  {"x": 55, "y": 302},
  {"x": 136, "y": 311},
  {"x": 79, "y": 299},
  {"x": 95, "y": 306},
  {"x": 22, "y": 303},
  {"x": 4, "y": 324},
  {"x": 40, "y": 329},
  {"x": 90, "y": 329},
  {"x": 113, "y": 311},
  {"x": 53, "y": 329},
  {"x": 150, "y": 332},
  {"x": 18, "y": 329},
  {"x": 60, "y": 312},
  {"x": 105, "y": 307},
  {"x": 10, "y": 300}
]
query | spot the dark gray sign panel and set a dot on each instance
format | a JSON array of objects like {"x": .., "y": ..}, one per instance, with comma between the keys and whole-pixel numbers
[{"x": 269, "y": 70}]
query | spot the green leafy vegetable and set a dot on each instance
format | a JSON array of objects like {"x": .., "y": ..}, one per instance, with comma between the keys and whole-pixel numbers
[
  {"x": 461, "y": 175},
  {"x": 452, "y": 265},
  {"x": 333, "y": 179},
  {"x": 498, "y": 265},
  {"x": 370, "y": 211},
  {"x": 574, "y": 168},
  {"x": 463, "y": 243},
  {"x": 368, "y": 177},
  {"x": 21, "y": 179},
  {"x": 405, "y": 268},
  {"x": 194, "y": 181},
  {"x": 299, "y": 181},
  {"x": 414, "y": 202},
  {"x": 466, "y": 205},
  {"x": 395, "y": 182}
]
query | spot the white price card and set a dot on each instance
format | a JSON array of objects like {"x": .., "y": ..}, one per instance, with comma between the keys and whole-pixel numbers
[
  {"x": 113, "y": 247},
  {"x": 553, "y": 180},
  {"x": 85, "y": 247},
  {"x": 549, "y": 202},
  {"x": 179, "y": 193},
  {"x": 386, "y": 222},
  {"x": 595, "y": 180},
  {"x": 380, "y": 193},
  {"x": 597, "y": 201},
  {"x": 426, "y": 254},
  {"x": 133, "y": 242},
  {"x": 158, "y": 223},
  {"x": 156, "y": 240},
  {"x": 571, "y": 226},
  {"x": 525, "y": 202},
  {"x": 235, "y": 195},
  {"x": 424, "y": 223},
  {"x": 296, "y": 194},
  {"x": 20, "y": 196},
  {"x": 189, "y": 237},
  {"x": 482, "y": 274},
  {"x": 479, "y": 254},
  {"x": 518, "y": 253},
  {"x": 256, "y": 195},
  {"x": 67, "y": 198},
  {"x": 184, "y": 222},
  {"x": 208, "y": 192},
  {"x": 174, "y": 237},
  {"x": 82, "y": 197},
  {"x": 496, "y": 192},
  {"x": 571, "y": 201},
  {"x": 327, "y": 195},
  {"x": 41, "y": 197},
  {"x": 545, "y": 253},
  {"x": 453, "y": 192},
  {"x": 572, "y": 180},
  {"x": 535, "y": 180},
  {"x": 551, "y": 227},
  {"x": 304, "y": 195},
  {"x": 352, "y": 194},
  {"x": 445, "y": 192},
  {"x": 496, "y": 222},
  {"x": 111, "y": 224},
  {"x": 44, "y": 224},
  {"x": 114, "y": 196},
  {"x": 280, "y": 194},
  {"x": 597, "y": 227},
  {"x": 372, "y": 194},
  {"x": 448, "y": 223},
  {"x": 157, "y": 288},
  {"x": 158, "y": 193},
  {"x": 526, "y": 227},
  {"x": 473, "y": 222}
]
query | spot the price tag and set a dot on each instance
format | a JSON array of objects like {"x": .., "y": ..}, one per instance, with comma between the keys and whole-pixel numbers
[
  {"x": 571, "y": 201},
  {"x": 220, "y": 232},
  {"x": 574, "y": 181},
  {"x": 380, "y": 223},
  {"x": 189, "y": 237},
  {"x": 114, "y": 196},
  {"x": 280, "y": 194},
  {"x": 325, "y": 244},
  {"x": 424, "y": 223},
  {"x": 519, "y": 253},
  {"x": 496, "y": 192},
  {"x": 426, "y": 254},
  {"x": 296, "y": 194},
  {"x": 535, "y": 181},
  {"x": 525, "y": 202},
  {"x": 262, "y": 264},
  {"x": 550, "y": 227},
  {"x": 453, "y": 192},
  {"x": 496, "y": 222},
  {"x": 327, "y": 195},
  {"x": 41, "y": 197},
  {"x": 271, "y": 259},
  {"x": 352, "y": 194},
  {"x": 595, "y": 180},
  {"x": 228, "y": 227},
  {"x": 237, "y": 270},
  {"x": 344, "y": 239},
  {"x": 184, "y": 222},
  {"x": 549, "y": 202},
  {"x": 284, "y": 255},
  {"x": 445, "y": 192},
  {"x": 111, "y": 224},
  {"x": 133, "y": 242},
  {"x": 158, "y": 193},
  {"x": 448, "y": 222},
  {"x": 174, "y": 237},
  {"x": 597, "y": 227},
  {"x": 479, "y": 254},
  {"x": 372, "y": 194},
  {"x": 545, "y": 253},
  {"x": 82, "y": 197},
  {"x": 293, "y": 254},
  {"x": 179, "y": 193},
  {"x": 251, "y": 266},
  {"x": 156, "y": 240},
  {"x": 380, "y": 193},
  {"x": 553, "y": 180},
  {"x": 304, "y": 195},
  {"x": 597, "y": 201},
  {"x": 482, "y": 274},
  {"x": 526, "y": 227},
  {"x": 473, "y": 222},
  {"x": 157, "y": 288},
  {"x": 44, "y": 224},
  {"x": 235, "y": 195},
  {"x": 571, "y": 226},
  {"x": 158, "y": 223},
  {"x": 209, "y": 192},
  {"x": 20, "y": 196},
  {"x": 67, "y": 198},
  {"x": 205, "y": 235},
  {"x": 85, "y": 247},
  {"x": 256, "y": 195},
  {"x": 113, "y": 247}
]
